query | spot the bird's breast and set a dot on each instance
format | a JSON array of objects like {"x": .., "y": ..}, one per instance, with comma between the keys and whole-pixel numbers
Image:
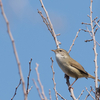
[{"x": 62, "y": 62}]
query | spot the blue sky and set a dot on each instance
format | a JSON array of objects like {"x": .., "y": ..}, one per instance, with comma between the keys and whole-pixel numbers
[{"x": 33, "y": 40}]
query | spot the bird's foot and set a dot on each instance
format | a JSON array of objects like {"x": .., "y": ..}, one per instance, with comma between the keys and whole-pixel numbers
[{"x": 70, "y": 87}]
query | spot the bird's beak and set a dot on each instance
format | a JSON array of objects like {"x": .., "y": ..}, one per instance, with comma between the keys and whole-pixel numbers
[{"x": 53, "y": 50}]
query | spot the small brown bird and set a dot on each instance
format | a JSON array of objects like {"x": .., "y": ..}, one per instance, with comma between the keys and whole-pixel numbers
[{"x": 69, "y": 66}]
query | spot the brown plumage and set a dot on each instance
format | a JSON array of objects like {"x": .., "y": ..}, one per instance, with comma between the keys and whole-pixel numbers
[{"x": 70, "y": 66}]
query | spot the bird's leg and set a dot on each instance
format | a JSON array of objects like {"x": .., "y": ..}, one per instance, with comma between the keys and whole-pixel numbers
[{"x": 72, "y": 84}]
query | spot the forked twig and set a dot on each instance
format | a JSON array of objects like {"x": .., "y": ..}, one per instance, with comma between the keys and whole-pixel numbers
[
  {"x": 97, "y": 24},
  {"x": 48, "y": 23},
  {"x": 89, "y": 93}
]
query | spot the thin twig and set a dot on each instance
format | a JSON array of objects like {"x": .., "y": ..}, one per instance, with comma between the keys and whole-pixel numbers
[
  {"x": 97, "y": 43},
  {"x": 88, "y": 16},
  {"x": 38, "y": 89},
  {"x": 48, "y": 23},
  {"x": 94, "y": 19},
  {"x": 50, "y": 94},
  {"x": 90, "y": 35},
  {"x": 97, "y": 24},
  {"x": 16, "y": 90},
  {"x": 74, "y": 40},
  {"x": 61, "y": 96},
  {"x": 89, "y": 31},
  {"x": 54, "y": 79},
  {"x": 88, "y": 40},
  {"x": 86, "y": 30},
  {"x": 95, "y": 30},
  {"x": 80, "y": 94},
  {"x": 86, "y": 23},
  {"x": 89, "y": 93},
  {"x": 30, "y": 89},
  {"x": 15, "y": 51},
  {"x": 28, "y": 75},
  {"x": 58, "y": 34},
  {"x": 38, "y": 79}
]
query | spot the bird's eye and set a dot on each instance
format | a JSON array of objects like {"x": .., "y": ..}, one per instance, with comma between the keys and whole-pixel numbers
[{"x": 60, "y": 50}]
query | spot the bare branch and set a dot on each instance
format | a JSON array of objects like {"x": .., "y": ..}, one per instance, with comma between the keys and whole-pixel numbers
[
  {"x": 38, "y": 79},
  {"x": 30, "y": 89},
  {"x": 54, "y": 79},
  {"x": 86, "y": 23},
  {"x": 71, "y": 89},
  {"x": 48, "y": 23},
  {"x": 92, "y": 89},
  {"x": 90, "y": 35},
  {"x": 38, "y": 89},
  {"x": 97, "y": 43},
  {"x": 86, "y": 31},
  {"x": 97, "y": 23},
  {"x": 58, "y": 34},
  {"x": 94, "y": 19},
  {"x": 95, "y": 30},
  {"x": 91, "y": 40},
  {"x": 74, "y": 40},
  {"x": 50, "y": 94},
  {"x": 16, "y": 90},
  {"x": 89, "y": 31},
  {"x": 89, "y": 93},
  {"x": 80, "y": 94},
  {"x": 14, "y": 48},
  {"x": 28, "y": 76},
  {"x": 61, "y": 96},
  {"x": 88, "y": 40},
  {"x": 88, "y": 16},
  {"x": 94, "y": 48}
]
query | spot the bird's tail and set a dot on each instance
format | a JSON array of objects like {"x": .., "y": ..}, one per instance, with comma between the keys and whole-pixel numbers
[{"x": 90, "y": 76}]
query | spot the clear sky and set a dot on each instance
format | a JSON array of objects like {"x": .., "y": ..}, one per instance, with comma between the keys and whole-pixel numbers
[{"x": 33, "y": 40}]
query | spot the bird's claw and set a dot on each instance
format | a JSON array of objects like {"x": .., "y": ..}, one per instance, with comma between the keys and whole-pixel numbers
[{"x": 70, "y": 88}]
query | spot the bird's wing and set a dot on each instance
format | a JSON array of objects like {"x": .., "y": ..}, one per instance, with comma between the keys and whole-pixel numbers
[{"x": 75, "y": 64}]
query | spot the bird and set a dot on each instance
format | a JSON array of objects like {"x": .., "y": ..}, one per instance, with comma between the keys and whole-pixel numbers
[{"x": 70, "y": 66}]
